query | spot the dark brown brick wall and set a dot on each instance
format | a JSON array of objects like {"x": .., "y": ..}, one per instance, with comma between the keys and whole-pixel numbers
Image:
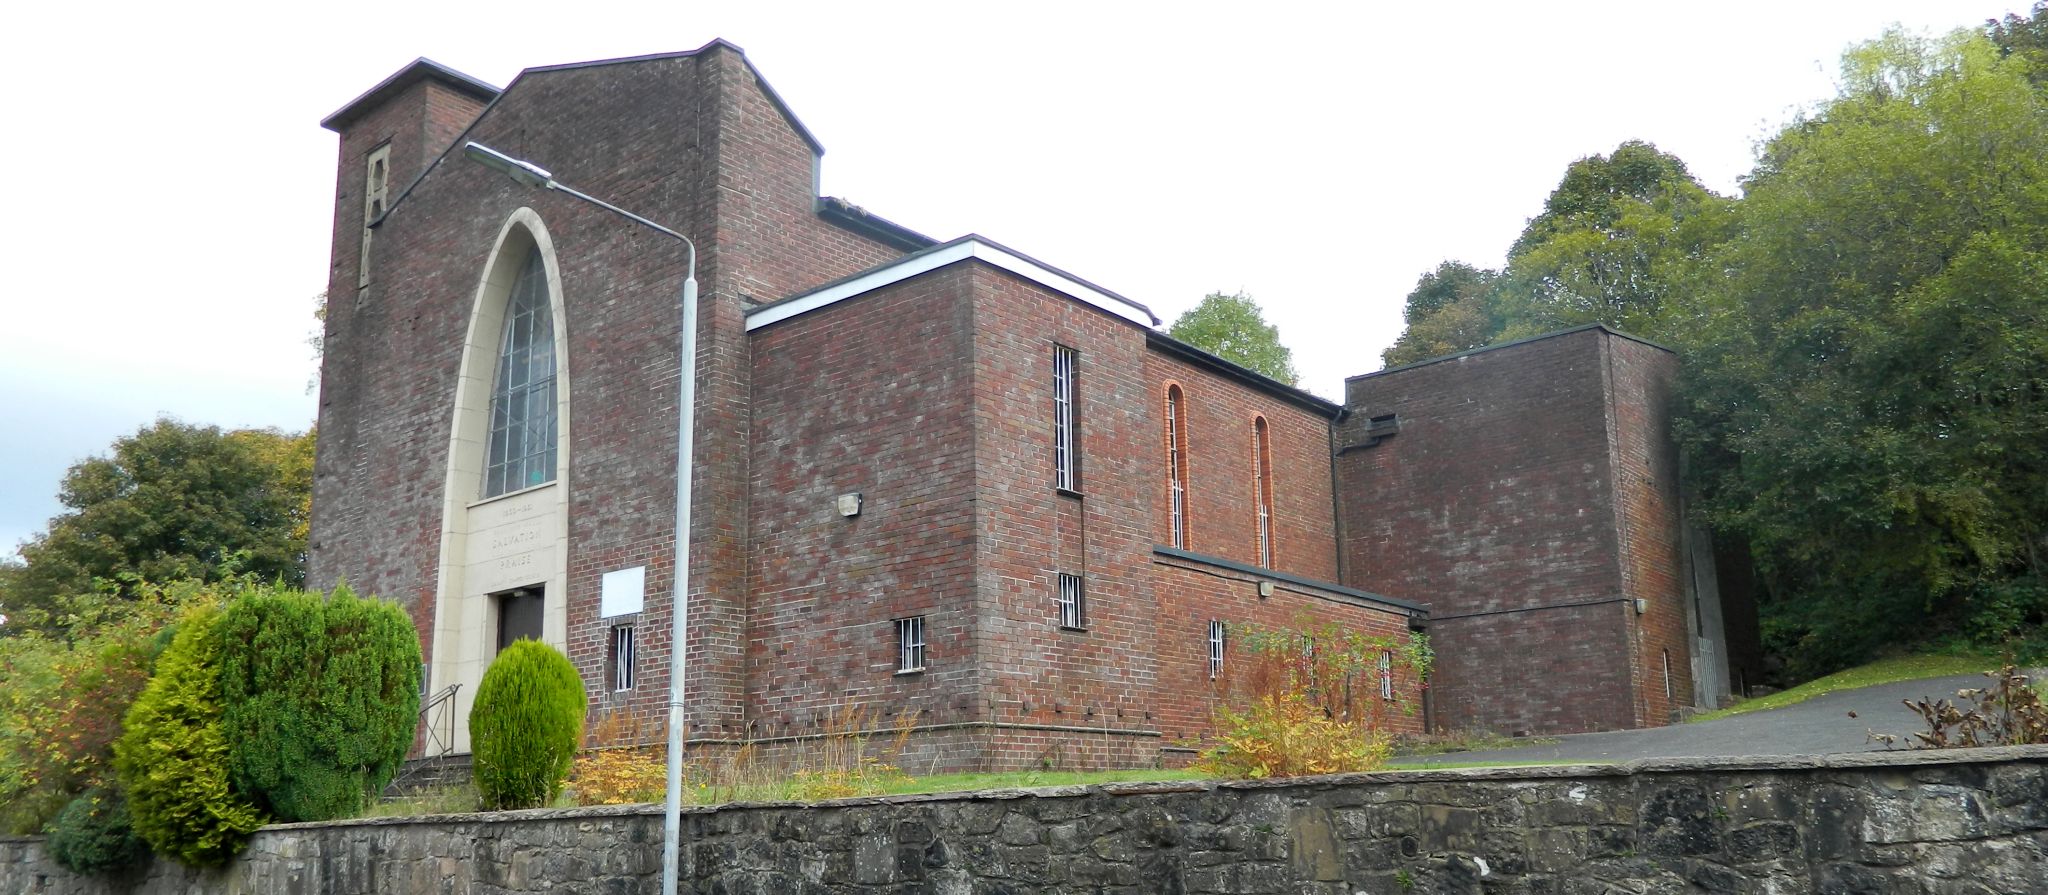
[
  {"x": 645, "y": 135},
  {"x": 1646, "y": 487},
  {"x": 1518, "y": 476}
]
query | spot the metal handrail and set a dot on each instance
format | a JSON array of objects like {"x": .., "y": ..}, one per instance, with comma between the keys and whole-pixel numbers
[{"x": 434, "y": 741}]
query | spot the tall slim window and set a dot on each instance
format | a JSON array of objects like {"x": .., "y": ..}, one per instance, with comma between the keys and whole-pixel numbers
[
  {"x": 1215, "y": 649},
  {"x": 910, "y": 644},
  {"x": 1262, "y": 489},
  {"x": 1066, "y": 462},
  {"x": 522, "y": 446},
  {"x": 1073, "y": 600},
  {"x": 376, "y": 196},
  {"x": 1176, "y": 466},
  {"x": 1386, "y": 674},
  {"x": 624, "y": 649}
]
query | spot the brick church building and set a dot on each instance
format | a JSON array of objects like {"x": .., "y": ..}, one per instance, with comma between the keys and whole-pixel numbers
[{"x": 937, "y": 481}]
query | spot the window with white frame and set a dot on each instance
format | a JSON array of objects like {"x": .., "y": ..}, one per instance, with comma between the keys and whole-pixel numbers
[
  {"x": 910, "y": 644},
  {"x": 1262, "y": 490},
  {"x": 523, "y": 425},
  {"x": 1176, "y": 467},
  {"x": 1386, "y": 674},
  {"x": 1216, "y": 634},
  {"x": 623, "y": 669},
  {"x": 1073, "y": 600},
  {"x": 1066, "y": 461}
]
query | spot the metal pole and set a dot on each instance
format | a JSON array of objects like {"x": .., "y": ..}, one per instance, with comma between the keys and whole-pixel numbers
[
  {"x": 534, "y": 175},
  {"x": 686, "y": 411}
]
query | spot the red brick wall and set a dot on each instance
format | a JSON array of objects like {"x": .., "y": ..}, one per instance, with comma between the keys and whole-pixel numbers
[
  {"x": 1494, "y": 505},
  {"x": 1221, "y": 508},
  {"x": 871, "y": 396},
  {"x": 1103, "y": 677},
  {"x": 1191, "y": 594}
]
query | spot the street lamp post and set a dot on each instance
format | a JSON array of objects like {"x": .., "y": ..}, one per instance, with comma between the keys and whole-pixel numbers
[{"x": 533, "y": 175}]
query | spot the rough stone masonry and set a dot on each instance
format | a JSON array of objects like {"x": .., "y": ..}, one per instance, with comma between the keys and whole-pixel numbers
[{"x": 1965, "y": 821}]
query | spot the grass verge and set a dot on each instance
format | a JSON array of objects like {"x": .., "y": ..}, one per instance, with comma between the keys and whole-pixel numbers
[{"x": 1882, "y": 671}]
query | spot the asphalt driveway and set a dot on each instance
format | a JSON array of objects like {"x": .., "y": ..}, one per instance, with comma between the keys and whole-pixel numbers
[{"x": 1818, "y": 726}]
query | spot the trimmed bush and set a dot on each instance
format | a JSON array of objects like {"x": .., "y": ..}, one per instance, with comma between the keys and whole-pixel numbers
[
  {"x": 525, "y": 726},
  {"x": 321, "y": 698},
  {"x": 93, "y": 835},
  {"x": 173, "y": 758}
]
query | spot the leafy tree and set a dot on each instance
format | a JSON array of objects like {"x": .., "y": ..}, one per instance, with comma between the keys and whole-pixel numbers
[
  {"x": 1233, "y": 328},
  {"x": 1866, "y": 386},
  {"x": 1612, "y": 244},
  {"x": 525, "y": 726},
  {"x": 172, "y": 502},
  {"x": 173, "y": 757},
  {"x": 1452, "y": 309},
  {"x": 320, "y": 696}
]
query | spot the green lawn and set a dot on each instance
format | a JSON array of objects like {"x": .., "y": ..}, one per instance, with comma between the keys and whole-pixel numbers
[{"x": 1882, "y": 671}]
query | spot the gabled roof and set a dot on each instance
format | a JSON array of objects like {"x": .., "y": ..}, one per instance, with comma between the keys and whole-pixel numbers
[
  {"x": 969, "y": 246},
  {"x": 817, "y": 148},
  {"x": 421, "y": 69}
]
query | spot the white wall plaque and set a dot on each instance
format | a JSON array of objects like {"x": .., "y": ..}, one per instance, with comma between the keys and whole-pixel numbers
[{"x": 623, "y": 593}]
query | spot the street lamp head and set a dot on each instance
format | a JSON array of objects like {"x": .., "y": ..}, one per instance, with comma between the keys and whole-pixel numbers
[{"x": 526, "y": 173}]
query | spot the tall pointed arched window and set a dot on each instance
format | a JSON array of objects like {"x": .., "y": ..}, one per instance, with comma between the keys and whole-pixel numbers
[
  {"x": 523, "y": 425},
  {"x": 1262, "y": 489},
  {"x": 1177, "y": 466}
]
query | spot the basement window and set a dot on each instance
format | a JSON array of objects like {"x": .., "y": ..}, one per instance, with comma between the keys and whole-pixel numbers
[
  {"x": 624, "y": 650},
  {"x": 1073, "y": 600},
  {"x": 910, "y": 644}
]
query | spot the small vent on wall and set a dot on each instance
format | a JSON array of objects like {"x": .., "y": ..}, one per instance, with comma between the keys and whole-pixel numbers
[{"x": 1377, "y": 429}]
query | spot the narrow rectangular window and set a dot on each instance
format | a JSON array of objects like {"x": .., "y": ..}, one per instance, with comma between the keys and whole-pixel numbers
[
  {"x": 376, "y": 196},
  {"x": 622, "y": 667},
  {"x": 1668, "y": 692},
  {"x": 1386, "y": 674},
  {"x": 1073, "y": 602},
  {"x": 1066, "y": 462},
  {"x": 1176, "y": 468},
  {"x": 910, "y": 644},
  {"x": 1215, "y": 649},
  {"x": 1262, "y": 490}
]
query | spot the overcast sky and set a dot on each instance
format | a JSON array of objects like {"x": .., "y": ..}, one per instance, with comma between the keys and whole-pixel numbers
[{"x": 170, "y": 190}]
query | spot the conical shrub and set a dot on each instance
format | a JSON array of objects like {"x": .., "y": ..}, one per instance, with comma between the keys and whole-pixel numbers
[{"x": 525, "y": 726}]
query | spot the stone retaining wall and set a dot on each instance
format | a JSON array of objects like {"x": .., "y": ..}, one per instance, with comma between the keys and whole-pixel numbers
[{"x": 1971, "y": 821}]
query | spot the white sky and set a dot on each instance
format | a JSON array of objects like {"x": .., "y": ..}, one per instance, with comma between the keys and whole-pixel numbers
[{"x": 170, "y": 188}]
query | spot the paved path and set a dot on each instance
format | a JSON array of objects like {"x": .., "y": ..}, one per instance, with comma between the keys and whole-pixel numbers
[{"x": 1815, "y": 727}]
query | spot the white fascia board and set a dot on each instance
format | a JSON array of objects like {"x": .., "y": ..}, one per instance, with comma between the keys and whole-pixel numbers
[{"x": 991, "y": 255}]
